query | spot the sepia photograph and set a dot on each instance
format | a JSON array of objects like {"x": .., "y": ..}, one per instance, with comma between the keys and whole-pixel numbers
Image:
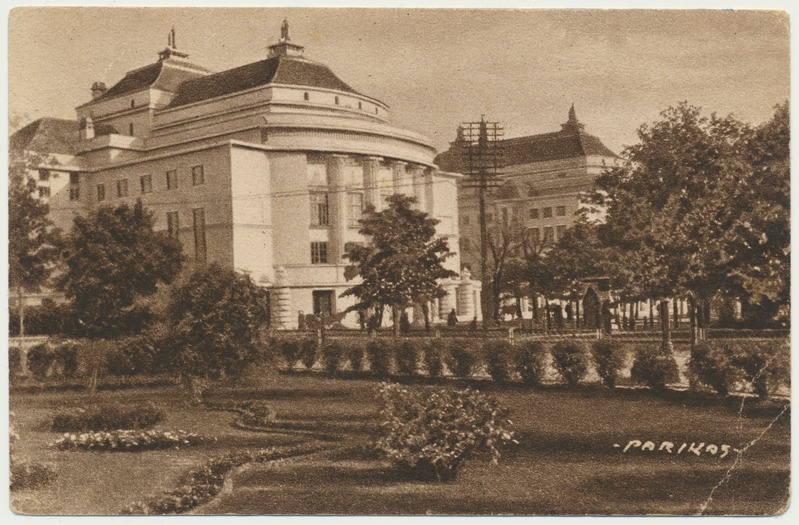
[{"x": 282, "y": 261}]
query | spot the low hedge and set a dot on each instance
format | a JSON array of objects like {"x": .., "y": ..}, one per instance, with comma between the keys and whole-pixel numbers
[
  {"x": 54, "y": 359},
  {"x": 108, "y": 417},
  {"x": 501, "y": 360},
  {"x": 435, "y": 357},
  {"x": 571, "y": 360},
  {"x": 332, "y": 356},
  {"x": 407, "y": 354},
  {"x": 463, "y": 357},
  {"x": 30, "y": 475},
  {"x": 125, "y": 440},
  {"x": 532, "y": 362},
  {"x": 609, "y": 356},
  {"x": 654, "y": 368},
  {"x": 380, "y": 352}
]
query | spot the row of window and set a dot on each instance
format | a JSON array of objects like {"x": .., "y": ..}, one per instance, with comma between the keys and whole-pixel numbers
[
  {"x": 307, "y": 96},
  {"x": 198, "y": 224},
  {"x": 320, "y": 208},
  {"x": 551, "y": 234},
  {"x": 560, "y": 211},
  {"x": 146, "y": 183}
]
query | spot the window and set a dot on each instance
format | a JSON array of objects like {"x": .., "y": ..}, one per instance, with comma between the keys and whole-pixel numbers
[
  {"x": 172, "y": 223},
  {"x": 44, "y": 174},
  {"x": 74, "y": 193},
  {"x": 130, "y": 129},
  {"x": 146, "y": 184},
  {"x": 323, "y": 302},
  {"x": 319, "y": 209},
  {"x": 534, "y": 213},
  {"x": 318, "y": 253},
  {"x": 100, "y": 192},
  {"x": 549, "y": 234},
  {"x": 198, "y": 175},
  {"x": 547, "y": 213},
  {"x": 376, "y": 111},
  {"x": 355, "y": 208},
  {"x": 306, "y": 96},
  {"x": 360, "y": 105},
  {"x": 44, "y": 191},
  {"x": 172, "y": 179},
  {"x": 560, "y": 211},
  {"x": 122, "y": 188},
  {"x": 337, "y": 101},
  {"x": 74, "y": 178},
  {"x": 199, "y": 235},
  {"x": 560, "y": 230},
  {"x": 133, "y": 103},
  {"x": 535, "y": 235}
]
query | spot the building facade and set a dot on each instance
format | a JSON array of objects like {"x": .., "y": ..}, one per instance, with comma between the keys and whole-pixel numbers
[{"x": 265, "y": 168}]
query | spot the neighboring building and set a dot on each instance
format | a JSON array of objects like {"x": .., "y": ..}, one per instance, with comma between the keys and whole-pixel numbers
[
  {"x": 541, "y": 178},
  {"x": 265, "y": 168}
]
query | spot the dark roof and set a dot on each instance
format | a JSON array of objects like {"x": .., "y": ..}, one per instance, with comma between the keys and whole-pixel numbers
[
  {"x": 158, "y": 75},
  {"x": 275, "y": 70},
  {"x": 562, "y": 144},
  {"x": 47, "y": 135},
  {"x": 53, "y": 135}
]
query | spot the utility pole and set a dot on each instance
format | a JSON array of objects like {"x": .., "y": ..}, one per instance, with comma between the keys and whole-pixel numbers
[{"x": 480, "y": 142}]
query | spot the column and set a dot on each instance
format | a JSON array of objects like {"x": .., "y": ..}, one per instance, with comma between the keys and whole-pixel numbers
[
  {"x": 428, "y": 191},
  {"x": 418, "y": 180},
  {"x": 337, "y": 204},
  {"x": 465, "y": 296},
  {"x": 282, "y": 316},
  {"x": 448, "y": 302},
  {"x": 398, "y": 176},
  {"x": 371, "y": 191}
]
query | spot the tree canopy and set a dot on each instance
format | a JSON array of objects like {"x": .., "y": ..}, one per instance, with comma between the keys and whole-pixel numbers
[
  {"x": 115, "y": 258},
  {"x": 403, "y": 262}
]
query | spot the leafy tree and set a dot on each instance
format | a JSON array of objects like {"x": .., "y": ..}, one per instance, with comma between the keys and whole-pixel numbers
[
  {"x": 33, "y": 243},
  {"x": 215, "y": 319},
  {"x": 404, "y": 261},
  {"x": 114, "y": 260}
]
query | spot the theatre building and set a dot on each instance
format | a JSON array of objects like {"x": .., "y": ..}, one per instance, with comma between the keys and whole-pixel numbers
[{"x": 265, "y": 168}]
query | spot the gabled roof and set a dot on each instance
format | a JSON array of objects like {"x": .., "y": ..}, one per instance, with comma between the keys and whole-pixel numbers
[
  {"x": 275, "y": 70},
  {"x": 159, "y": 75},
  {"x": 47, "y": 135}
]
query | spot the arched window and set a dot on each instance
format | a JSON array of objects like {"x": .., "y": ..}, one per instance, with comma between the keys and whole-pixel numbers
[
  {"x": 337, "y": 101},
  {"x": 307, "y": 96},
  {"x": 360, "y": 105}
]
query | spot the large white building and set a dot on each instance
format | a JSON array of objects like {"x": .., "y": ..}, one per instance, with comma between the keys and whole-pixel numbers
[{"x": 265, "y": 168}]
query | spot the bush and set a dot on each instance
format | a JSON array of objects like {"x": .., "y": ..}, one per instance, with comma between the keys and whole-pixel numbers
[
  {"x": 356, "y": 352},
  {"x": 30, "y": 475},
  {"x": 380, "y": 357},
  {"x": 609, "y": 356},
  {"x": 654, "y": 368},
  {"x": 308, "y": 352},
  {"x": 532, "y": 362},
  {"x": 53, "y": 359},
  {"x": 434, "y": 357},
  {"x": 501, "y": 359},
  {"x": 763, "y": 364},
  {"x": 147, "y": 354},
  {"x": 40, "y": 359},
  {"x": 108, "y": 417},
  {"x": 429, "y": 434},
  {"x": 712, "y": 365},
  {"x": 462, "y": 358},
  {"x": 14, "y": 361},
  {"x": 289, "y": 349},
  {"x": 256, "y": 413},
  {"x": 125, "y": 440},
  {"x": 571, "y": 360},
  {"x": 407, "y": 353},
  {"x": 332, "y": 355}
]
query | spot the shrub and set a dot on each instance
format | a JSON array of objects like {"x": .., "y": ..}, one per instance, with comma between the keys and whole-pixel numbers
[
  {"x": 532, "y": 362},
  {"x": 308, "y": 352},
  {"x": 380, "y": 357},
  {"x": 332, "y": 355},
  {"x": 356, "y": 353},
  {"x": 654, "y": 368},
  {"x": 256, "y": 413},
  {"x": 147, "y": 353},
  {"x": 290, "y": 350},
  {"x": 108, "y": 417},
  {"x": 434, "y": 357},
  {"x": 712, "y": 365},
  {"x": 30, "y": 475},
  {"x": 571, "y": 360},
  {"x": 407, "y": 353},
  {"x": 501, "y": 359},
  {"x": 14, "y": 361},
  {"x": 462, "y": 358},
  {"x": 125, "y": 440},
  {"x": 40, "y": 359},
  {"x": 609, "y": 356},
  {"x": 429, "y": 434},
  {"x": 763, "y": 364}
]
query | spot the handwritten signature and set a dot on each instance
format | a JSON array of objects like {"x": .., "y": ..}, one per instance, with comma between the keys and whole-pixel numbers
[{"x": 669, "y": 447}]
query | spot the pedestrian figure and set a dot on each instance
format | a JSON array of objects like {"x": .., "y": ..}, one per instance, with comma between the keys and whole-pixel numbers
[{"x": 452, "y": 318}]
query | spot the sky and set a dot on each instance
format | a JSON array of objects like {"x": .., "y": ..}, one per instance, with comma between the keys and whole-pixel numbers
[{"x": 435, "y": 68}]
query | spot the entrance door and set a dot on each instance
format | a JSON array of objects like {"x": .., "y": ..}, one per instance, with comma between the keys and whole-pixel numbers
[{"x": 323, "y": 303}]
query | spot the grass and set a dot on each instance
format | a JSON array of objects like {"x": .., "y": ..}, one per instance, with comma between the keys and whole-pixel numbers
[{"x": 565, "y": 462}]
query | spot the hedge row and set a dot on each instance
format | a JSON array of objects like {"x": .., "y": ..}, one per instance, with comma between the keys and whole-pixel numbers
[{"x": 762, "y": 365}]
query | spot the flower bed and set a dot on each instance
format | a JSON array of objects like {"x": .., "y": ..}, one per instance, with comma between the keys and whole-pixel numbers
[{"x": 126, "y": 440}]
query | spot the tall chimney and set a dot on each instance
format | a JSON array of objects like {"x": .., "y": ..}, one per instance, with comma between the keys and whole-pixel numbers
[
  {"x": 88, "y": 130},
  {"x": 98, "y": 88}
]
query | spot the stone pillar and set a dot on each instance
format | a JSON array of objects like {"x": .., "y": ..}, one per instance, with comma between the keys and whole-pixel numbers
[
  {"x": 418, "y": 180},
  {"x": 337, "y": 207},
  {"x": 465, "y": 296},
  {"x": 398, "y": 176},
  {"x": 428, "y": 191},
  {"x": 448, "y": 302},
  {"x": 371, "y": 191},
  {"x": 434, "y": 311},
  {"x": 478, "y": 303},
  {"x": 418, "y": 315},
  {"x": 282, "y": 315}
]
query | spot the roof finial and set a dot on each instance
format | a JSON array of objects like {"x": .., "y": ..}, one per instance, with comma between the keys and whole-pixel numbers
[
  {"x": 171, "y": 47},
  {"x": 572, "y": 114},
  {"x": 284, "y": 31},
  {"x": 573, "y": 124},
  {"x": 172, "y": 33}
]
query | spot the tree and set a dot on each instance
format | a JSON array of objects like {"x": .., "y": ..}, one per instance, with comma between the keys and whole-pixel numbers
[
  {"x": 215, "y": 319},
  {"x": 33, "y": 243},
  {"x": 115, "y": 259},
  {"x": 403, "y": 262}
]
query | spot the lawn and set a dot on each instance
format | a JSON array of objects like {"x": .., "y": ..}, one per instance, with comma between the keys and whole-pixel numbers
[{"x": 565, "y": 464}]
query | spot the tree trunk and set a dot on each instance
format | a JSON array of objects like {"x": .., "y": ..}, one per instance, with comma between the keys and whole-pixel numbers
[
  {"x": 577, "y": 312},
  {"x": 23, "y": 350},
  {"x": 666, "y": 344},
  {"x": 426, "y": 313},
  {"x": 624, "y": 325},
  {"x": 676, "y": 311},
  {"x": 534, "y": 299},
  {"x": 395, "y": 319},
  {"x": 651, "y": 314},
  {"x": 692, "y": 335},
  {"x": 549, "y": 316}
]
